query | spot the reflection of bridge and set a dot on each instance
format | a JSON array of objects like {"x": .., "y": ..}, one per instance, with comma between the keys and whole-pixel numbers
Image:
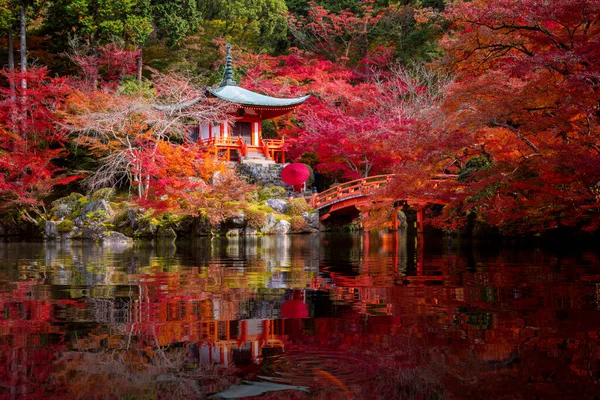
[{"x": 348, "y": 197}]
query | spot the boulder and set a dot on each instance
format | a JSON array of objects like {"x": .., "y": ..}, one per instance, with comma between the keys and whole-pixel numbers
[
  {"x": 112, "y": 238},
  {"x": 233, "y": 232},
  {"x": 97, "y": 206},
  {"x": 402, "y": 220},
  {"x": 312, "y": 219},
  {"x": 277, "y": 205},
  {"x": 94, "y": 231},
  {"x": 281, "y": 228},
  {"x": 72, "y": 201},
  {"x": 104, "y": 194},
  {"x": 50, "y": 230},
  {"x": 61, "y": 211},
  {"x": 166, "y": 232},
  {"x": 269, "y": 224},
  {"x": 236, "y": 221},
  {"x": 250, "y": 231},
  {"x": 145, "y": 230}
]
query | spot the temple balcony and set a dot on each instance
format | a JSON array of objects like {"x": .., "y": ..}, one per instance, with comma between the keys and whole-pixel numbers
[{"x": 236, "y": 149}]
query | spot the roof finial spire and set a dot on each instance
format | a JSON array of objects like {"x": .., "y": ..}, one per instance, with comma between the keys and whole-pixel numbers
[{"x": 228, "y": 76}]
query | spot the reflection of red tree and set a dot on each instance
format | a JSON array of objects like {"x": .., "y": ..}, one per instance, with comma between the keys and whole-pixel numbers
[{"x": 494, "y": 322}]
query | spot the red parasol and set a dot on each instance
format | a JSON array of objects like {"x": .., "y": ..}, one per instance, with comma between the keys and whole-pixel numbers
[{"x": 295, "y": 174}]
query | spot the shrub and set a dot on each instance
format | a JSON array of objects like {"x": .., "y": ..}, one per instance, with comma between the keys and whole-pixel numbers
[
  {"x": 265, "y": 208},
  {"x": 297, "y": 224},
  {"x": 296, "y": 207},
  {"x": 255, "y": 218}
]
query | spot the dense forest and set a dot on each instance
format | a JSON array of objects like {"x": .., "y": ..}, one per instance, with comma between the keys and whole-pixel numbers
[{"x": 502, "y": 94}]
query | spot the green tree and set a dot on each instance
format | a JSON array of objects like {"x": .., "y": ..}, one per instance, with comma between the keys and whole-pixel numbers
[
  {"x": 260, "y": 24},
  {"x": 175, "y": 19},
  {"x": 101, "y": 21}
]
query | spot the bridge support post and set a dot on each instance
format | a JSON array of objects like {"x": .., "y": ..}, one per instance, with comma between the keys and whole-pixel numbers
[
  {"x": 395, "y": 222},
  {"x": 420, "y": 220}
]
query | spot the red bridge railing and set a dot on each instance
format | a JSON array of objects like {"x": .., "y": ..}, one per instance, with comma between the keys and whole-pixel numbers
[
  {"x": 348, "y": 190},
  {"x": 358, "y": 188}
]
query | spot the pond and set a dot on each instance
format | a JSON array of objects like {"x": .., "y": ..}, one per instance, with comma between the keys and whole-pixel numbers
[{"x": 348, "y": 316}]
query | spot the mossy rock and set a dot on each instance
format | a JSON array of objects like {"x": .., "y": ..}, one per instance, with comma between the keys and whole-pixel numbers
[
  {"x": 65, "y": 226},
  {"x": 71, "y": 200},
  {"x": 271, "y": 191},
  {"x": 104, "y": 194}
]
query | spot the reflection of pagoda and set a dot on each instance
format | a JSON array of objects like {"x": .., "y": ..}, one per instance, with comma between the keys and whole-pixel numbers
[{"x": 243, "y": 140}]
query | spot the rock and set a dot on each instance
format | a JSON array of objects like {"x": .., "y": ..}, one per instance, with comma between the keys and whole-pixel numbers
[
  {"x": 166, "y": 232},
  {"x": 237, "y": 221},
  {"x": 281, "y": 228},
  {"x": 250, "y": 231},
  {"x": 72, "y": 200},
  {"x": 269, "y": 224},
  {"x": 312, "y": 219},
  {"x": 146, "y": 230},
  {"x": 402, "y": 220},
  {"x": 94, "y": 231},
  {"x": 277, "y": 205},
  {"x": 112, "y": 238},
  {"x": 76, "y": 233},
  {"x": 233, "y": 232},
  {"x": 200, "y": 226},
  {"x": 50, "y": 230},
  {"x": 103, "y": 194},
  {"x": 62, "y": 211},
  {"x": 98, "y": 207}
]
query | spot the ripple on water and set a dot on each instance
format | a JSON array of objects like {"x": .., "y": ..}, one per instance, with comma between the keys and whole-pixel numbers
[{"x": 317, "y": 368}]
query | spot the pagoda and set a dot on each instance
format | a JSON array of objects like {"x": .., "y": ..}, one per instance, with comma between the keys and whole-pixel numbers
[{"x": 242, "y": 140}]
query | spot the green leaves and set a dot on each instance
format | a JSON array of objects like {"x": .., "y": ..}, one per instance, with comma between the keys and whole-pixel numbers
[{"x": 175, "y": 19}]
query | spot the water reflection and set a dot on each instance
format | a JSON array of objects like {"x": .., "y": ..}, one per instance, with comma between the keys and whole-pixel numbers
[{"x": 349, "y": 316}]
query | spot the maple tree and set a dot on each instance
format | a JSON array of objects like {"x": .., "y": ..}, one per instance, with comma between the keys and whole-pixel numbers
[
  {"x": 520, "y": 122},
  {"x": 339, "y": 36},
  {"x": 354, "y": 113},
  {"x": 142, "y": 144},
  {"x": 107, "y": 65},
  {"x": 30, "y": 139}
]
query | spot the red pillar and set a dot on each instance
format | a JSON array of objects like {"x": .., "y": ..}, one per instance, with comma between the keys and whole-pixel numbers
[
  {"x": 420, "y": 220},
  {"x": 395, "y": 222}
]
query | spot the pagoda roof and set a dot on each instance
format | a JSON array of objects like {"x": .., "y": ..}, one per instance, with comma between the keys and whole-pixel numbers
[{"x": 245, "y": 97}]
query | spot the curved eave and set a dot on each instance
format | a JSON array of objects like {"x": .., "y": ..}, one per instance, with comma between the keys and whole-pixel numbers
[{"x": 245, "y": 97}]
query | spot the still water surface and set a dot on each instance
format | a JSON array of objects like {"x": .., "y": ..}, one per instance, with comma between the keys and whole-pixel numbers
[{"x": 300, "y": 317}]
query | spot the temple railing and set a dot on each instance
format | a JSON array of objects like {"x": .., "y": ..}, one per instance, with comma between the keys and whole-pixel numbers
[
  {"x": 268, "y": 147},
  {"x": 243, "y": 147}
]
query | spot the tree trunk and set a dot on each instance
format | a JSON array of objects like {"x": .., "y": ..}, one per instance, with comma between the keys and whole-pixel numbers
[
  {"x": 11, "y": 64},
  {"x": 140, "y": 65},
  {"x": 23, "y": 55},
  {"x": 23, "y": 42}
]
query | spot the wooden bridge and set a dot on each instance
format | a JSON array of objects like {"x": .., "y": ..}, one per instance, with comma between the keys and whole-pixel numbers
[{"x": 350, "y": 195}]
